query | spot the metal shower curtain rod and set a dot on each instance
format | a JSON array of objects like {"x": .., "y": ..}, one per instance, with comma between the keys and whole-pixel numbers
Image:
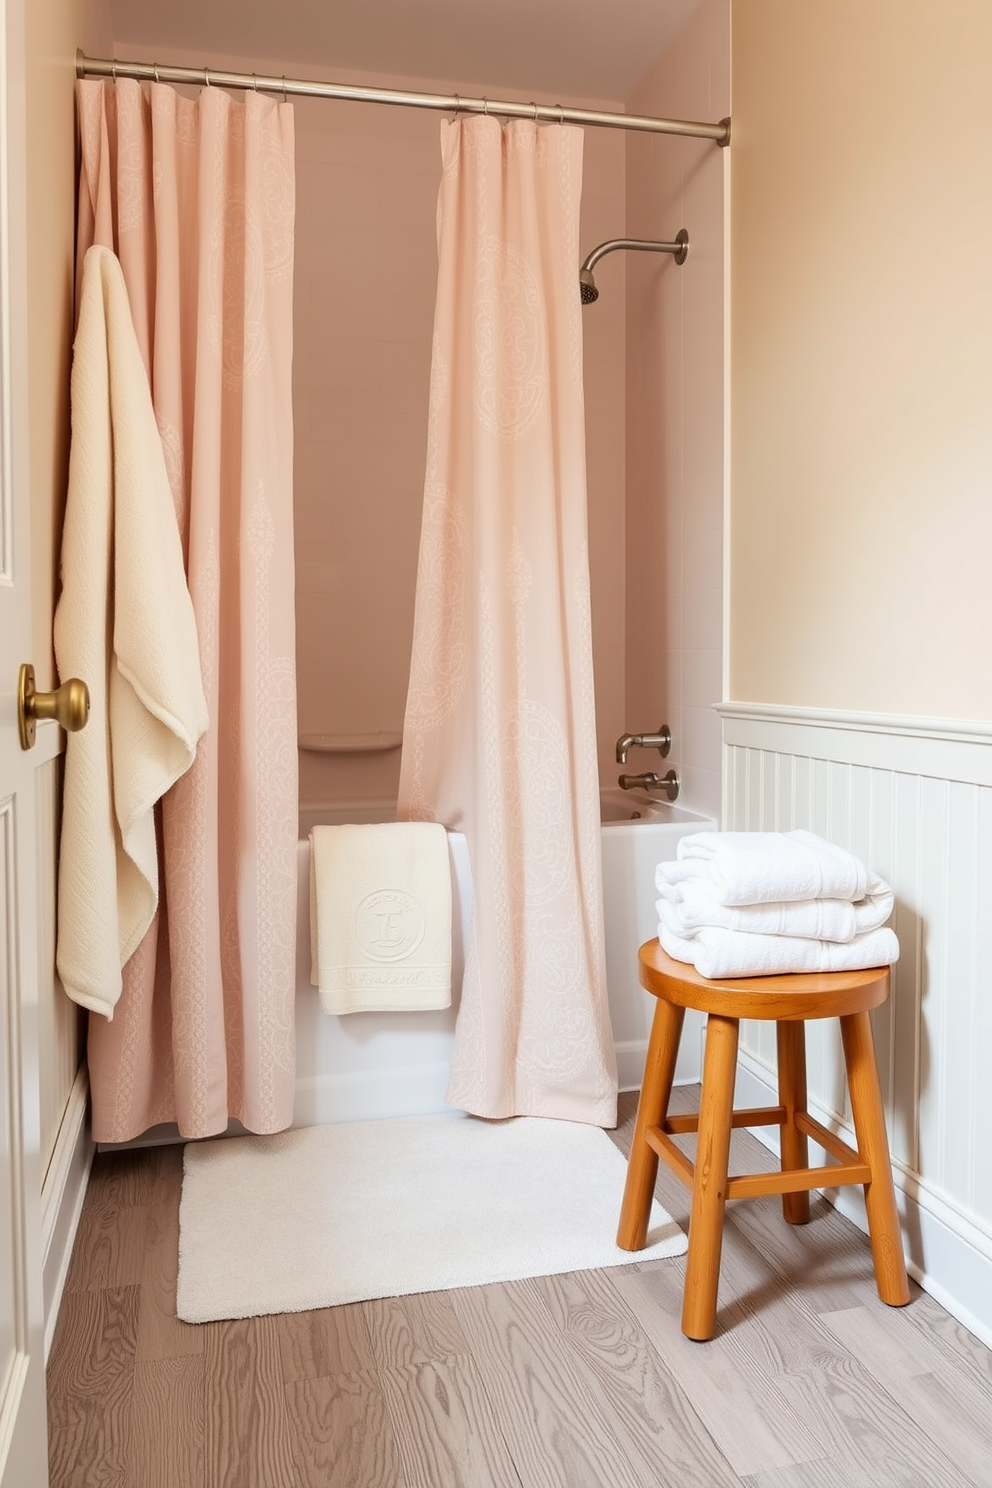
[{"x": 551, "y": 113}]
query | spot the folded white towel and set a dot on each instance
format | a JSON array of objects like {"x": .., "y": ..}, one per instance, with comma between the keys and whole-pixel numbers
[
  {"x": 125, "y": 624},
  {"x": 717, "y": 953},
  {"x": 673, "y": 872},
  {"x": 815, "y": 919},
  {"x": 766, "y": 867},
  {"x": 380, "y": 917}
]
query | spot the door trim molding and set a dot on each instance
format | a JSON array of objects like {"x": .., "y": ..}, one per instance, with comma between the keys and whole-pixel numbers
[{"x": 62, "y": 1196}]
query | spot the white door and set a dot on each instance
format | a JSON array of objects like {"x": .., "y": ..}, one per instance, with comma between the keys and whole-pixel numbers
[{"x": 23, "y": 1430}]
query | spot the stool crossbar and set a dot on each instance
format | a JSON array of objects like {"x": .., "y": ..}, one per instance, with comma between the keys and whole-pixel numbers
[
  {"x": 790, "y": 1001},
  {"x": 848, "y": 1169}
]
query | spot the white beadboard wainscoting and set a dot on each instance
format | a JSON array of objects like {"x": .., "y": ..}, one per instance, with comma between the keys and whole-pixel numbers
[{"x": 913, "y": 798}]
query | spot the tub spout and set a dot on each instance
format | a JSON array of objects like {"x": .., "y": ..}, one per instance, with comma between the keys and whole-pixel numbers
[
  {"x": 668, "y": 783},
  {"x": 623, "y": 744},
  {"x": 662, "y": 741}
]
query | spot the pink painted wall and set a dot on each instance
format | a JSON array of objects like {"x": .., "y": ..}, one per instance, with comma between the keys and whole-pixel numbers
[
  {"x": 675, "y": 413},
  {"x": 366, "y": 267}
]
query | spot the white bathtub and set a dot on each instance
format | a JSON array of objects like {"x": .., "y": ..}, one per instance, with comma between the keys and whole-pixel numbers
[
  {"x": 370, "y": 1065},
  {"x": 633, "y": 846}
]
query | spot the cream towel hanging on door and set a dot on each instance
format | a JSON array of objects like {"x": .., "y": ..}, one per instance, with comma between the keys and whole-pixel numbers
[{"x": 124, "y": 623}]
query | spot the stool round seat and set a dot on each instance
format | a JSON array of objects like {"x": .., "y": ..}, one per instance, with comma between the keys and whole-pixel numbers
[
  {"x": 799, "y": 995},
  {"x": 790, "y": 1001}
]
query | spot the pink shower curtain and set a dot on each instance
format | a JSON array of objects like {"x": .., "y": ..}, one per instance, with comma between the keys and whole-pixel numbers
[
  {"x": 196, "y": 198},
  {"x": 499, "y": 738}
]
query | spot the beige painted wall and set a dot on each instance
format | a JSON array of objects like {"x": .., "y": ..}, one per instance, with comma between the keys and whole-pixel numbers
[
  {"x": 861, "y": 356},
  {"x": 675, "y": 412}
]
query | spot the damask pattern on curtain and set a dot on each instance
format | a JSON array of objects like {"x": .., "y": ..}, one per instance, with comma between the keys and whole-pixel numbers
[
  {"x": 196, "y": 198},
  {"x": 499, "y": 737}
]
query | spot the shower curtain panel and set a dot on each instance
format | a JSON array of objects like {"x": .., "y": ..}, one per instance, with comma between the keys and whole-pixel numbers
[
  {"x": 499, "y": 737},
  {"x": 196, "y": 198}
]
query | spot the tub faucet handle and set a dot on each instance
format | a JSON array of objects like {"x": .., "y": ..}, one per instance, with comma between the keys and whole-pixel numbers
[
  {"x": 668, "y": 783},
  {"x": 662, "y": 741}
]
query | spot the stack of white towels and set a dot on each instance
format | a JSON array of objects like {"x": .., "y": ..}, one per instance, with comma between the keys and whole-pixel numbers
[{"x": 767, "y": 903}]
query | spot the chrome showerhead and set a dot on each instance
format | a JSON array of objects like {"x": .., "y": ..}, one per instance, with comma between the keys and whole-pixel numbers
[
  {"x": 587, "y": 284},
  {"x": 679, "y": 249}
]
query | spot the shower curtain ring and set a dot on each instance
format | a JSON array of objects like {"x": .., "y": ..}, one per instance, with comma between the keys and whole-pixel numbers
[
  {"x": 458, "y": 105},
  {"x": 155, "y": 70},
  {"x": 485, "y": 107},
  {"x": 206, "y": 77},
  {"x": 113, "y": 71},
  {"x": 534, "y": 107},
  {"x": 561, "y": 116},
  {"x": 254, "y": 82},
  {"x": 285, "y": 99}
]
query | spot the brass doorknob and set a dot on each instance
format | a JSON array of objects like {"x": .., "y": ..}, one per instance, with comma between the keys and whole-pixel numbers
[{"x": 69, "y": 705}]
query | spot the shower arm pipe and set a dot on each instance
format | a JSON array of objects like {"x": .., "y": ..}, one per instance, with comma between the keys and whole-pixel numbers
[
  {"x": 644, "y": 245},
  {"x": 549, "y": 113}
]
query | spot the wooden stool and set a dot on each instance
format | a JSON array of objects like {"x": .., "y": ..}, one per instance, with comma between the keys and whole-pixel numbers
[{"x": 789, "y": 1000}]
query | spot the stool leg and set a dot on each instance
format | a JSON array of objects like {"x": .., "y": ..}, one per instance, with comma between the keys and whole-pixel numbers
[
  {"x": 791, "y": 1039},
  {"x": 652, "y": 1107},
  {"x": 709, "y": 1188},
  {"x": 873, "y": 1144}
]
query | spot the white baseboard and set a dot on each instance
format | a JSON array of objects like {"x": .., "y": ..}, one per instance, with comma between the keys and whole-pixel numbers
[
  {"x": 632, "y": 1056},
  {"x": 630, "y": 1063},
  {"x": 62, "y": 1198},
  {"x": 949, "y": 1255},
  {"x": 415, "y": 1089},
  {"x": 418, "y": 1089}
]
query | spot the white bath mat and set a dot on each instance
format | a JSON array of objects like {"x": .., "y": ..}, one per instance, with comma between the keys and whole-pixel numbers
[{"x": 333, "y": 1214}]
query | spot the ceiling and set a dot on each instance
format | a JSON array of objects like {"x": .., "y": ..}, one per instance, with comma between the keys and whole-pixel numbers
[{"x": 586, "y": 49}]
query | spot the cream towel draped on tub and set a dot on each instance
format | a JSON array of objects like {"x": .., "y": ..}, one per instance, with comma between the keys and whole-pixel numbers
[
  {"x": 124, "y": 623},
  {"x": 380, "y": 917}
]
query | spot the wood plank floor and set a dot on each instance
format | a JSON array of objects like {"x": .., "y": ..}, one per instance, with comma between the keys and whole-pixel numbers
[{"x": 577, "y": 1381}]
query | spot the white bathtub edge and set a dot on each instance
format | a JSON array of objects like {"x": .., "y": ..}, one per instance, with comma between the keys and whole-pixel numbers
[
  {"x": 353, "y": 1070},
  {"x": 371, "y": 1095}
]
